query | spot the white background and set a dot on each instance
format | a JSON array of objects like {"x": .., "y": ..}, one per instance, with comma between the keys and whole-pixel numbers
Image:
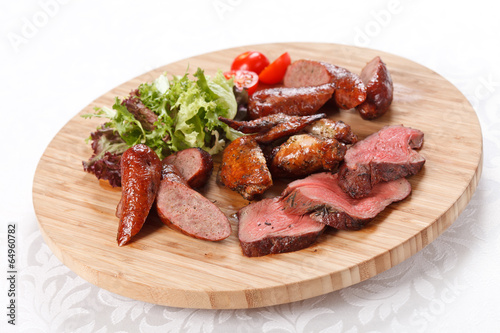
[{"x": 58, "y": 56}]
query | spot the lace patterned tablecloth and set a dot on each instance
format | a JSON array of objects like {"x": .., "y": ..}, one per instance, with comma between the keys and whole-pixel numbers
[{"x": 57, "y": 56}]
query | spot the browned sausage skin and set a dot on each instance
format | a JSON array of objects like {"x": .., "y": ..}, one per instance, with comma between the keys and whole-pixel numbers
[
  {"x": 296, "y": 101},
  {"x": 378, "y": 81},
  {"x": 350, "y": 90},
  {"x": 194, "y": 164},
  {"x": 141, "y": 175}
]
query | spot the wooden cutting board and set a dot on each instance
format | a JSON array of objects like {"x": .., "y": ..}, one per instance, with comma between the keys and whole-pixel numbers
[{"x": 76, "y": 212}]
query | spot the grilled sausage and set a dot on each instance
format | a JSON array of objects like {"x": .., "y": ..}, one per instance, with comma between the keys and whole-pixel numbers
[
  {"x": 194, "y": 164},
  {"x": 350, "y": 90},
  {"x": 141, "y": 174},
  {"x": 184, "y": 209},
  {"x": 172, "y": 173},
  {"x": 299, "y": 101},
  {"x": 379, "y": 93}
]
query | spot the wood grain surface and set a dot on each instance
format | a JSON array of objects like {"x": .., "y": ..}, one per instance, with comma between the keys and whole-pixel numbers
[{"x": 76, "y": 212}]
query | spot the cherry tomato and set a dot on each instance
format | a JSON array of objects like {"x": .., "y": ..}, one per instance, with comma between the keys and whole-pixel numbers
[
  {"x": 275, "y": 72},
  {"x": 244, "y": 80},
  {"x": 252, "y": 61}
]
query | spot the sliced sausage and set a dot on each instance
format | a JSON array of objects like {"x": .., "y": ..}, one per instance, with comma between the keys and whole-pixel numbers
[
  {"x": 194, "y": 164},
  {"x": 170, "y": 172},
  {"x": 184, "y": 209},
  {"x": 379, "y": 93},
  {"x": 350, "y": 90},
  {"x": 300, "y": 101},
  {"x": 141, "y": 175},
  {"x": 305, "y": 73}
]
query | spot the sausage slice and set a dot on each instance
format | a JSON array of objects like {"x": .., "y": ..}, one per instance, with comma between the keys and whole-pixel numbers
[
  {"x": 194, "y": 164},
  {"x": 350, "y": 90},
  {"x": 187, "y": 211}
]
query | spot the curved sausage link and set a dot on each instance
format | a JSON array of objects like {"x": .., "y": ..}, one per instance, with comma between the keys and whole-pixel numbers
[
  {"x": 350, "y": 90},
  {"x": 141, "y": 175},
  {"x": 301, "y": 101},
  {"x": 379, "y": 87}
]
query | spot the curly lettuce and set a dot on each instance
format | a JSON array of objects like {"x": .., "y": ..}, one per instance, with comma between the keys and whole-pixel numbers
[{"x": 187, "y": 111}]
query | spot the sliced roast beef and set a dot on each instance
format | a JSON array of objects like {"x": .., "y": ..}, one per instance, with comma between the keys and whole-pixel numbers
[
  {"x": 383, "y": 156},
  {"x": 186, "y": 210},
  {"x": 265, "y": 228},
  {"x": 194, "y": 164},
  {"x": 320, "y": 197}
]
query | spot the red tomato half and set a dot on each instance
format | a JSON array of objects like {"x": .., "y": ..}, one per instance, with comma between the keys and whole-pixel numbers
[
  {"x": 244, "y": 80},
  {"x": 275, "y": 72},
  {"x": 252, "y": 61}
]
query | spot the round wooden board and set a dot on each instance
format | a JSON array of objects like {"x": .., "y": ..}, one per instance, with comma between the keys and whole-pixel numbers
[{"x": 76, "y": 212}]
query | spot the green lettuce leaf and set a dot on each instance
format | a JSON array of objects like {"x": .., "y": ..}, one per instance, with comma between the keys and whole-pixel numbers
[{"x": 187, "y": 111}]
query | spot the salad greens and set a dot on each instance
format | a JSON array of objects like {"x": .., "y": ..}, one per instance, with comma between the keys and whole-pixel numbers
[{"x": 187, "y": 112}]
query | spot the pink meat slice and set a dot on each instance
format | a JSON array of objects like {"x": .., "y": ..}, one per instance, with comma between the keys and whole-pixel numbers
[
  {"x": 320, "y": 196},
  {"x": 265, "y": 228},
  {"x": 386, "y": 155}
]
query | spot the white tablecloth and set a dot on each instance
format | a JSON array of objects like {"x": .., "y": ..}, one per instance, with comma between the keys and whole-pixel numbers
[{"x": 57, "y": 56}]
